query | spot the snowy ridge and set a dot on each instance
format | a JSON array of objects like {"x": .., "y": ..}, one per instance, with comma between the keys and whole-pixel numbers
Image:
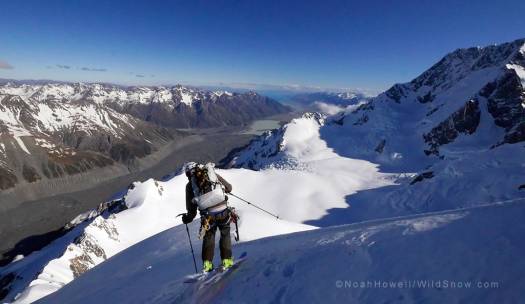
[
  {"x": 292, "y": 146},
  {"x": 101, "y": 93},
  {"x": 334, "y": 265},
  {"x": 57, "y": 105},
  {"x": 176, "y": 106},
  {"x": 95, "y": 239}
]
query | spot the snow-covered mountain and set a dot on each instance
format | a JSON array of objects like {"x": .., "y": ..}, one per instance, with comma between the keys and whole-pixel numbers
[
  {"x": 51, "y": 130},
  {"x": 184, "y": 107},
  {"x": 472, "y": 96},
  {"x": 176, "y": 106},
  {"x": 459, "y": 125},
  {"x": 433, "y": 170}
]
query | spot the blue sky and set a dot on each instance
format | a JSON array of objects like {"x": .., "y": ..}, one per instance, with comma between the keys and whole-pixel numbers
[{"x": 335, "y": 44}]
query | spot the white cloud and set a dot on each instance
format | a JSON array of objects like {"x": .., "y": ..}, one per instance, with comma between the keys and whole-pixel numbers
[{"x": 326, "y": 108}]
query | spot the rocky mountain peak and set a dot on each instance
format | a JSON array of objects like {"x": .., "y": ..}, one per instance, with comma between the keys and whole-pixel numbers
[
  {"x": 462, "y": 65},
  {"x": 471, "y": 100}
]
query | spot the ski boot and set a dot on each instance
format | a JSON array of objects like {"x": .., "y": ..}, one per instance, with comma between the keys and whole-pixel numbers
[
  {"x": 207, "y": 266},
  {"x": 227, "y": 263}
]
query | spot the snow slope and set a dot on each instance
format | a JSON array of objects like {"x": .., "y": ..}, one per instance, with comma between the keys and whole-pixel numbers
[
  {"x": 470, "y": 100},
  {"x": 471, "y": 255},
  {"x": 452, "y": 137},
  {"x": 152, "y": 208},
  {"x": 297, "y": 195},
  {"x": 465, "y": 177}
]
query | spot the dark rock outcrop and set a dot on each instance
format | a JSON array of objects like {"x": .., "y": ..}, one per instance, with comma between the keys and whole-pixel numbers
[
  {"x": 505, "y": 102},
  {"x": 381, "y": 146},
  {"x": 422, "y": 176},
  {"x": 396, "y": 92},
  {"x": 7, "y": 179},
  {"x": 465, "y": 121}
]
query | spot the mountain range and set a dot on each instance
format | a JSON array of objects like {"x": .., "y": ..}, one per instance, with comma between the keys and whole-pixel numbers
[{"x": 54, "y": 130}]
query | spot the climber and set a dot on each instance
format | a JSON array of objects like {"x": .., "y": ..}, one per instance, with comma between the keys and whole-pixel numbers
[{"x": 206, "y": 191}]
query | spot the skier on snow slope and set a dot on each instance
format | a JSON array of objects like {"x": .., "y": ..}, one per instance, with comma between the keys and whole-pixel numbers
[{"x": 206, "y": 191}]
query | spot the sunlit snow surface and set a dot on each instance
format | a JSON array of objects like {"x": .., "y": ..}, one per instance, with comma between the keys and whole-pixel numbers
[{"x": 324, "y": 266}]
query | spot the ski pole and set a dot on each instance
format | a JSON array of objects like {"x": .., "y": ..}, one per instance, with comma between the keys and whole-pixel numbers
[
  {"x": 247, "y": 202},
  {"x": 191, "y": 246}
]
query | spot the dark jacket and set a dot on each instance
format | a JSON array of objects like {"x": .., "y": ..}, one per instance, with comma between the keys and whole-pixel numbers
[{"x": 190, "y": 206}]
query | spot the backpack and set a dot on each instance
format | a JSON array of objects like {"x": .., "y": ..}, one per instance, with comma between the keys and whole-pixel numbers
[{"x": 208, "y": 192}]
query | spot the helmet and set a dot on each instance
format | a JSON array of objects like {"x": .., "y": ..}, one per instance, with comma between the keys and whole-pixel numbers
[{"x": 188, "y": 167}]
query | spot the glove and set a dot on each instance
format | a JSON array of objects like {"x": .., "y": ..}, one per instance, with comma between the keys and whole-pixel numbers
[{"x": 186, "y": 218}]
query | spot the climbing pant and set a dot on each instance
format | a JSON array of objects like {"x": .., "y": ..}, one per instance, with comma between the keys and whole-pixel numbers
[{"x": 212, "y": 222}]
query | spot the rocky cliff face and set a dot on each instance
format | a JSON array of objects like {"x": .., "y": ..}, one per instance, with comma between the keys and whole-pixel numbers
[
  {"x": 506, "y": 104},
  {"x": 463, "y": 121}
]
